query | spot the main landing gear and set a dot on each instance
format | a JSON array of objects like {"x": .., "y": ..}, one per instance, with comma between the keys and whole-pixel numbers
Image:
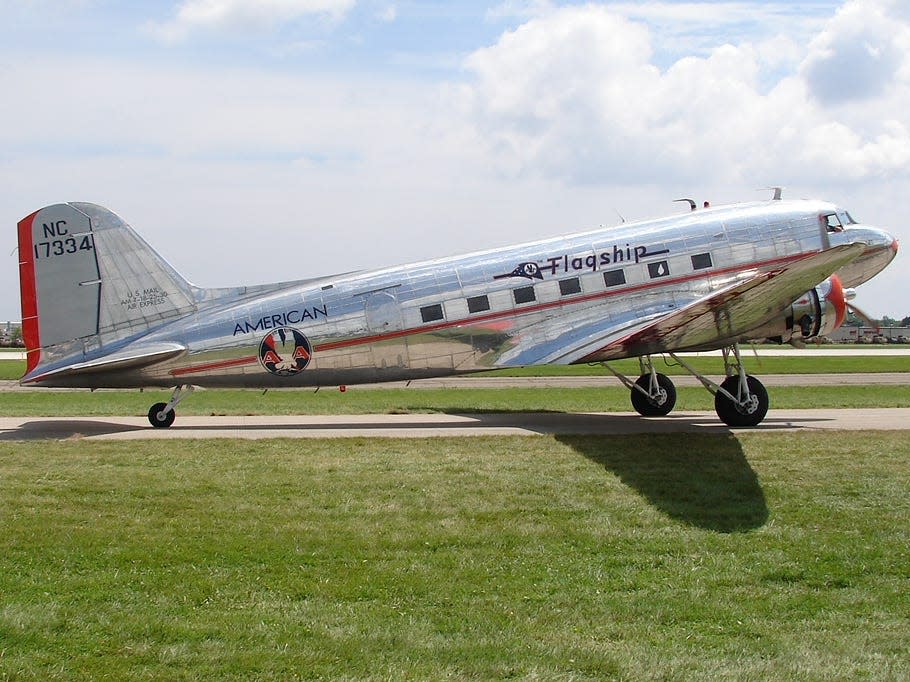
[
  {"x": 652, "y": 394},
  {"x": 162, "y": 415},
  {"x": 739, "y": 400}
]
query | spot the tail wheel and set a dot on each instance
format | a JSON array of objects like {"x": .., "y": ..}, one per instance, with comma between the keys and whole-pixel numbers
[
  {"x": 750, "y": 413},
  {"x": 656, "y": 405},
  {"x": 158, "y": 421}
]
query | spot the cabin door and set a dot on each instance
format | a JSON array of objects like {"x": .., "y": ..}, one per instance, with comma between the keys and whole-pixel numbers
[{"x": 384, "y": 320}]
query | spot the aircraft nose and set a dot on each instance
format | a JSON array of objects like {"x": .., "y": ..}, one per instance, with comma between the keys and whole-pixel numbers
[
  {"x": 881, "y": 248},
  {"x": 877, "y": 236}
]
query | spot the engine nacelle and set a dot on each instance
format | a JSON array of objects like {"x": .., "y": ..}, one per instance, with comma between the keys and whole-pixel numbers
[{"x": 817, "y": 312}]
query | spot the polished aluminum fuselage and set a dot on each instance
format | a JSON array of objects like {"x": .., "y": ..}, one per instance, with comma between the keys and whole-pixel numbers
[{"x": 414, "y": 321}]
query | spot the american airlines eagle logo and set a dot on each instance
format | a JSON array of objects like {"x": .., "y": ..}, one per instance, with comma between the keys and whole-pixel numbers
[
  {"x": 285, "y": 352},
  {"x": 527, "y": 270}
]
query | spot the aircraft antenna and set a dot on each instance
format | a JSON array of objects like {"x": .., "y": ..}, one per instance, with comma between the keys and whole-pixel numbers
[
  {"x": 777, "y": 192},
  {"x": 691, "y": 202},
  {"x": 622, "y": 220}
]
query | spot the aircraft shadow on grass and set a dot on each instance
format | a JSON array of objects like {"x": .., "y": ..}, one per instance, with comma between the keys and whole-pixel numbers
[
  {"x": 545, "y": 423},
  {"x": 708, "y": 484}
]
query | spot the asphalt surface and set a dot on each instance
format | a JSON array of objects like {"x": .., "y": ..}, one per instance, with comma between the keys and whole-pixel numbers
[
  {"x": 426, "y": 425},
  {"x": 423, "y": 425}
]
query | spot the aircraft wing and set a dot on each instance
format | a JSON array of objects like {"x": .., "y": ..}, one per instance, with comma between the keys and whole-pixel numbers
[
  {"x": 130, "y": 357},
  {"x": 726, "y": 314}
]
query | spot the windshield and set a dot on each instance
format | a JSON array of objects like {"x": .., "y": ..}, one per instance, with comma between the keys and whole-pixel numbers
[
  {"x": 831, "y": 222},
  {"x": 846, "y": 218}
]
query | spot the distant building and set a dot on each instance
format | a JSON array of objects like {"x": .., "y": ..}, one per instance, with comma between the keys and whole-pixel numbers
[
  {"x": 10, "y": 334},
  {"x": 870, "y": 335}
]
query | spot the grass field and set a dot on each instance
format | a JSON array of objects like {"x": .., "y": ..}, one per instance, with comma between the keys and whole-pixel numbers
[
  {"x": 756, "y": 364},
  {"x": 611, "y": 398},
  {"x": 770, "y": 364},
  {"x": 746, "y": 557}
]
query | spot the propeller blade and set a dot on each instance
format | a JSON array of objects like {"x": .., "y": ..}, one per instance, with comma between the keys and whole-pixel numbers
[
  {"x": 838, "y": 298},
  {"x": 866, "y": 319}
]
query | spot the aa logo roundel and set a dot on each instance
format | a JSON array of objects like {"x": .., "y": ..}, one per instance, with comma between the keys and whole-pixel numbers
[{"x": 285, "y": 352}]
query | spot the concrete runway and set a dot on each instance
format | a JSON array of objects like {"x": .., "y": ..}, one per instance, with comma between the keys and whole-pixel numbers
[{"x": 425, "y": 425}]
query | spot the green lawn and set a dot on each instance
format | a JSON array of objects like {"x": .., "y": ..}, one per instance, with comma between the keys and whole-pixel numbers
[
  {"x": 613, "y": 398},
  {"x": 758, "y": 365},
  {"x": 739, "y": 557}
]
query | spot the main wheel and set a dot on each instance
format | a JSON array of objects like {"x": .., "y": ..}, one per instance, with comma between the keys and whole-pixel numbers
[
  {"x": 658, "y": 405},
  {"x": 156, "y": 421},
  {"x": 750, "y": 414}
]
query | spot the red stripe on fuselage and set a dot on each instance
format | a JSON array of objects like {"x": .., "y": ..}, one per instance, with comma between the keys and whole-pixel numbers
[
  {"x": 28, "y": 293},
  {"x": 524, "y": 310},
  {"x": 512, "y": 313}
]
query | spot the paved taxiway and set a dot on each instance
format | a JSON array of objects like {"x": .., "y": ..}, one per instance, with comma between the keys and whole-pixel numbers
[{"x": 423, "y": 425}]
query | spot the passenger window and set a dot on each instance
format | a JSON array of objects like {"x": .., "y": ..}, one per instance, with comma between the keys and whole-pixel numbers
[
  {"x": 477, "y": 304},
  {"x": 524, "y": 295},
  {"x": 658, "y": 269},
  {"x": 569, "y": 286},
  {"x": 700, "y": 261},
  {"x": 431, "y": 313},
  {"x": 614, "y": 278}
]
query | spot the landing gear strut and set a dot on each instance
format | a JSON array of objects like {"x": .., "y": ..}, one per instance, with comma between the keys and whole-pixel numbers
[
  {"x": 652, "y": 394},
  {"x": 741, "y": 399},
  {"x": 162, "y": 415}
]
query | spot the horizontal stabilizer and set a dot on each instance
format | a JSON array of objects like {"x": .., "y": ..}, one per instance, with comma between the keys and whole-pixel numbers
[{"x": 131, "y": 357}]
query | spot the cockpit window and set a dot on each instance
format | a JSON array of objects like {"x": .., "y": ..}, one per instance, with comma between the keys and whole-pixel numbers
[
  {"x": 832, "y": 223},
  {"x": 846, "y": 218}
]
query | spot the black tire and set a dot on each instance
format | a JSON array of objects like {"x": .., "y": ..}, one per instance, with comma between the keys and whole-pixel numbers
[
  {"x": 659, "y": 406},
  {"x": 161, "y": 423},
  {"x": 751, "y": 414}
]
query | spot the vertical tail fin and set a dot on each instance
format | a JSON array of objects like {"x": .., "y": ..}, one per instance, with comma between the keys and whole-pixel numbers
[{"x": 88, "y": 280}]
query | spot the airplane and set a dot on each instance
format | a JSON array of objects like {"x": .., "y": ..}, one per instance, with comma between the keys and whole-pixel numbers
[{"x": 100, "y": 308}]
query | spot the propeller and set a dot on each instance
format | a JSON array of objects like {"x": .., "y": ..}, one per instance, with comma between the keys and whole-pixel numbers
[
  {"x": 842, "y": 300},
  {"x": 832, "y": 300},
  {"x": 866, "y": 319}
]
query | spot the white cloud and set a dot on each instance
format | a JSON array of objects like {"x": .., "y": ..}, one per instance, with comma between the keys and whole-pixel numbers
[
  {"x": 561, "y": 120},
  {"x": 859, "y": 54},
  {"x": 574, "y": 94},
  {"x": 521, "y": 9},
  {"x": 233, "y": 15},
  {"x": 545, "y": 90},
  {"x": 387, "y": 13}
]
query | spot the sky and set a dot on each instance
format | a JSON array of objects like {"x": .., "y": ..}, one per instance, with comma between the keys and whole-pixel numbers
[{"x": 263, "y": 141}]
